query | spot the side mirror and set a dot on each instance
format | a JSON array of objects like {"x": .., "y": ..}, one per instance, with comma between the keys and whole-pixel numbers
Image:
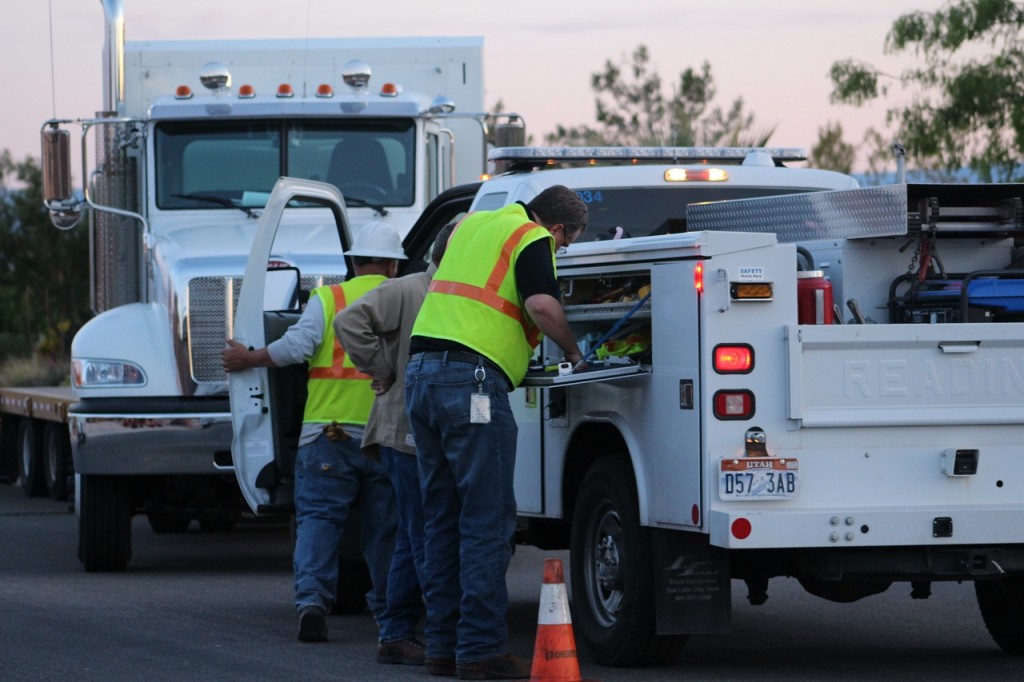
[
  {"x": 56, "y": 167},
  {"x": 281, "y": 290}
]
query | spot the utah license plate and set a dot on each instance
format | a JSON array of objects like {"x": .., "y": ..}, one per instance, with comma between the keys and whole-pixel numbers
[{"x": 758, "y": 478}]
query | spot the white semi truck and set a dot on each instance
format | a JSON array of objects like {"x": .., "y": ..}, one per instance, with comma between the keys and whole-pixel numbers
[
  {"x": 190, "y": 140},
  {"x": 735, "y": 424}
]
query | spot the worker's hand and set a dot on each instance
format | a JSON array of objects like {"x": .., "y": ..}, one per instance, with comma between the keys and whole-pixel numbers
[
  {"x": 234, "y": 357},
  {"x": 382, "y": 386},
  {"x": 576, "y": 358}
]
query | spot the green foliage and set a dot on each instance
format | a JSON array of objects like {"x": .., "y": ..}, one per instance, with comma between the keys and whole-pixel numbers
[
  {"x": 44, "y": 285},
  {"x": 633, "y": 110},
  {"x": 831, "y": 152},
  {"x": 965, "y": 107},
  {"x": 22, "y": 371}
]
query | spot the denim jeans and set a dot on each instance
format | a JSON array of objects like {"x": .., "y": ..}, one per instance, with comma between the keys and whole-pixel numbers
[
  {"x": 405, "y": 600},
  {"x": 469, "y": 505},
  {"x": 332, "y": 478}
]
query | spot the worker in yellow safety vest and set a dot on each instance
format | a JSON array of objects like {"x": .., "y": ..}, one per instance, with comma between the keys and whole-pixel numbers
[
  {"x": 332, "y": 475},
  {"x": 492, "y": 296}
]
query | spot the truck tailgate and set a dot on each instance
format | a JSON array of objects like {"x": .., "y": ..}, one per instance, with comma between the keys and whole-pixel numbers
[{"x": 906, "y": 375}]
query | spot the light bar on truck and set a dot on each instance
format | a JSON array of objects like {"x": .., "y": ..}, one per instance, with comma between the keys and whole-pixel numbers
[
  {"x": 667, "y": 154},
  {"x": 696, "y": 175}
]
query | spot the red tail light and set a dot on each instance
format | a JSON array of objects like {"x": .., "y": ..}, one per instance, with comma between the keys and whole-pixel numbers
[
  {"x": 698, "y": 278},
  {"x": 734, "y": 359}
]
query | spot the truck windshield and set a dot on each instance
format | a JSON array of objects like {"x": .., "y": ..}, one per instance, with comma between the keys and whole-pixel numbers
[
  {"x": 217, "y": 164},
  {"x": 644, "y": 211}
]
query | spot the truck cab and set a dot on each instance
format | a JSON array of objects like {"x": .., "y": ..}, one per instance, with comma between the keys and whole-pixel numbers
[{"x": 190, "y": 143}]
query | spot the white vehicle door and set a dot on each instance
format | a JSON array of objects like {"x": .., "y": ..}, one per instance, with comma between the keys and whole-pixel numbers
[{"x": 253, "y": 446}]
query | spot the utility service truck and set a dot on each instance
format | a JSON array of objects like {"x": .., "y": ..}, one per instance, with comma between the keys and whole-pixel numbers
[
  {"x": 735, "y": 422},
  {"x": 189, "y": 143}
]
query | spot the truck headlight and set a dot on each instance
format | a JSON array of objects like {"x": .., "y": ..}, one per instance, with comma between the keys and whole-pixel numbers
[{"x": 87, "y": 373}]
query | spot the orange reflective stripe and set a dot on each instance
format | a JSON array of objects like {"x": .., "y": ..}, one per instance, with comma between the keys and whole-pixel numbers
[
  {"x": 337, "y": 373},
  {"x": 337, "y": 370},
  {"x": 488, "y": 294},
  {"x": 488, "y": 298}
]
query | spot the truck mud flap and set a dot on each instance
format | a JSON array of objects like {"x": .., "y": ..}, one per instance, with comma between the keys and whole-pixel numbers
[{"x": 692, "y": 583}]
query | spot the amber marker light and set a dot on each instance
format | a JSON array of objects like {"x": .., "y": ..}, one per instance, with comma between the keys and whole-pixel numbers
[
  {"x": 183, "y": 92},
  {"x": 285, "y": 90},
  {"x": 324, "y": 90},
  {"x": 246, "y": 91}
]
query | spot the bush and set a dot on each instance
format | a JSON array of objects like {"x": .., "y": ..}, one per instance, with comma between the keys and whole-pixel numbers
[{"x": 26, "y": 371}]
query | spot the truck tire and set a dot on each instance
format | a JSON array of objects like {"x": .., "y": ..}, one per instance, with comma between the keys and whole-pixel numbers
[
  {"x": 611, "y": 569},
  {"x": 105, "y": 523},
  {"x": 1001, "y": 603},
  {"x": 57, "y": 460},
  {"x": 30, "y": 457}
]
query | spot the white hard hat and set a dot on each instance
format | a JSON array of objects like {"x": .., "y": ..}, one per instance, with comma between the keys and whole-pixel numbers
[{"x": 377, "y": 240}]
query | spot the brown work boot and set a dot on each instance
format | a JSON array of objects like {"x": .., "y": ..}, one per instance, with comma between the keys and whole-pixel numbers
[
  {"x": 440, "y": 667},
  {"x": 404, "y": 651},
  {"x": 503, "y": 667}
]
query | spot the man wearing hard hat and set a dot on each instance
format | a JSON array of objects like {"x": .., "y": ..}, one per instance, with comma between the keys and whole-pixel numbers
[{"x": 332, "y": 475}]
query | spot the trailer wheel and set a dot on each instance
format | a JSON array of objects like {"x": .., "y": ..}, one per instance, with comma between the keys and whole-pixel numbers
[
  {"x": 1002, "y": 604},
  {"x": 57, "y": 458},
  {"x": 30, "y": 458},
  {"x": 612, "y": 574},
  {"x": 105, "y": 523}
]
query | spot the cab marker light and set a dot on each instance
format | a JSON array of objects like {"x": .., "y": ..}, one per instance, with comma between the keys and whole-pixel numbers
[
  {"x": 246, "y": 91},
  {"x": 284, "y": 90},
  {"x": 324, "y": 90},
  {"x": 183, "y": 92}
]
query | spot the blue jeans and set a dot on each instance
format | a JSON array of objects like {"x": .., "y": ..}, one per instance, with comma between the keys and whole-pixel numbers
[
  {"x": 469, "y": 506},
  {"x": 405, "y": 600},
  {"x": 331, "y": 478}
]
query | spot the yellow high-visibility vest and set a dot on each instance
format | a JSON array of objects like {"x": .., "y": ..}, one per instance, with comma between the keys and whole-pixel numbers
[
  {"x": 337, "y": 391},
  {"x": 473, "y": 299}
]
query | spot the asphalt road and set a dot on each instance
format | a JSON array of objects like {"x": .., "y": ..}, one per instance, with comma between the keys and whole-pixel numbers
[{"x": 199, "y": 606}]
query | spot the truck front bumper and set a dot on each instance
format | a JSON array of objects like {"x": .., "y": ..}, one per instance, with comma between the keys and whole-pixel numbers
[{"x": 151, "y": 436}]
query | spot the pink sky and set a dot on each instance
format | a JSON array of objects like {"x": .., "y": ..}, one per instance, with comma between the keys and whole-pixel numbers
[{"x": 539, "y": 56}]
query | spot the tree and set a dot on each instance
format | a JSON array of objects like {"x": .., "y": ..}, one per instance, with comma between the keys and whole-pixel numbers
[
  {"x": 831, "y": 152},
  {"x": 44, "y": 278},
  {"x": 965, "y": 107},
  {"x": 633, "y": 110}
]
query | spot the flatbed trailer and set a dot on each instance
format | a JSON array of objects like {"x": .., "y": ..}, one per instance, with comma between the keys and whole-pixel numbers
[{"x": 35, "y": 445}]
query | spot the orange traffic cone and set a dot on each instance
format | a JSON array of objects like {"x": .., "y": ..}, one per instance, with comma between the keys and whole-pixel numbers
[{"x": 554, "y": 654}]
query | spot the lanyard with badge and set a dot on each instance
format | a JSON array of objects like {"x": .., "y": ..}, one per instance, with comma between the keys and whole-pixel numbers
[{"x": 480, "y": 402}]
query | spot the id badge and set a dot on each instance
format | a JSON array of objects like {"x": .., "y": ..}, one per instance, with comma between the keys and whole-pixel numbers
[{"x": 480, "y": 408}]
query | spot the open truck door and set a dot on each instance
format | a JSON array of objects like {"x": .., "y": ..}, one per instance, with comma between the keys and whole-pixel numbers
[{"x": 268, "y": 305}]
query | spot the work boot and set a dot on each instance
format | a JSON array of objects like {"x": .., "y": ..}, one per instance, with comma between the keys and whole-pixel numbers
[
  {"x": 404, "y": 651},
  {"x": 440, "y": 667},
  {"x": 313, "y": 624},
  {"x": 503, "y": 667}
]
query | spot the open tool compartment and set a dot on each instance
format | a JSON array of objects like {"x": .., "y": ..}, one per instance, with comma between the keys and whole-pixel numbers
[{"x": 610, "y": 316}]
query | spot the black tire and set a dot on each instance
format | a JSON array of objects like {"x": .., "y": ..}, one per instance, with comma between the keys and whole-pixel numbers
[
  {"x": 167, "y": 523},
  {"x": 105, "y": 522},
  {"x": 1002, "y": 608},
  {"x": 611, "y": 570},
  {"x": 57, "y": 460},
  {"x": 30, "y": 457}
]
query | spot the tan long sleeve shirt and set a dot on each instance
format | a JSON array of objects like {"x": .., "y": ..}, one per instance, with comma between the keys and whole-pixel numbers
[{"x": 375, "y": 332}]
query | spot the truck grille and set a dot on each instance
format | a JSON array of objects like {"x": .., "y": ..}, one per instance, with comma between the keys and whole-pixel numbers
[{"x": 210, "y": 301}]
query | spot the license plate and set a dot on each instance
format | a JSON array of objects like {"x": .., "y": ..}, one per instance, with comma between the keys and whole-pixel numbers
[{"x": 758, "y": 478}]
